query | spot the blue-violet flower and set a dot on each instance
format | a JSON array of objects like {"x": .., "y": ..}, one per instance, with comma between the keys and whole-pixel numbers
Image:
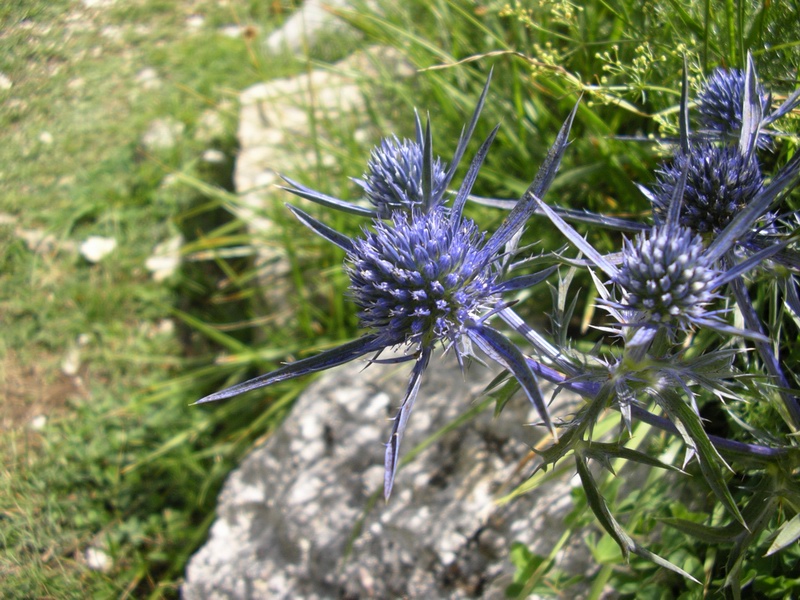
[
  {"x": 666, "y": 274},
  {"x": 427, "y": 277},
  {"x": 393, "y": 180},
  {"x": 720, "y": 182},
  {"x": 720, "y": 103}
]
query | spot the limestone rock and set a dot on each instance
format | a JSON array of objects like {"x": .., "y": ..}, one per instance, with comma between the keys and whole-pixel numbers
[
  {"x": 305, "y": 25},
  {"x": 304, "y": 518},
  {"x": 275, "y": 136},
  {"x": 162, "y": 134},
  {"x": 95, "y": 248}
]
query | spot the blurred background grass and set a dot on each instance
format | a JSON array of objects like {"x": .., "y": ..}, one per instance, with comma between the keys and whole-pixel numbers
[{"x": 122, "y": 463}]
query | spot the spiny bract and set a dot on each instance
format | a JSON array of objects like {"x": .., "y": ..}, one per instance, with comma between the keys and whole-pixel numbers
[{"x": 720, "y": 103}]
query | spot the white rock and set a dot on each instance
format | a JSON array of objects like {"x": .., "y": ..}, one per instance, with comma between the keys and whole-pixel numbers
[
  {"x": 213, "y": 156},
  {"x": 162, "y": 134},
  {"x": 195, "y": 21},
  {"x": 5, "y": 82},
  {"x": 165, "y": 327},
  {"x": 37, "y": 423},
  {"x": 112, "y": 33},
  {"x": 231, "y": 31},
  {"x": 96, "y": 248},
  {"x": 37, "y": 240},
  {"x": 305, "y": 26},
  {"x": 98, "y": 560},
  {"x": 148, "y": 79},
  {"x": 210, "y": 126},
  {"x": 46, "y": 138},
  {"x": 7, "y": 219},
  {"x": 71, "y": 363},
  {"x": 166, "y": 258}
]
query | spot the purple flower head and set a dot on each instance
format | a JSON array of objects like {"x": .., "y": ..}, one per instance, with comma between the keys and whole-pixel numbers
[
  {"x": 420, "y": 279},
  {"x": 429, "y": 276},
  {"x": 733, "y": 104},
  {"x": 666, "y": 274},
  {"x": 720, "y": 103},
  {"x": 401, "y": 175},
  {"x": 718, "y": 190},
  {"x": 393, "y": 180},
  {"x": 720, "y": 182}
]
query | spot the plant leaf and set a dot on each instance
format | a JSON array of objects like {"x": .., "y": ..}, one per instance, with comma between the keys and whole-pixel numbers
[
  {"x": 711, "y": 463},
  {"x": 705, "y": 533},
  {"x": 501, "y": 350},
  {"x": 322, "y": 230},
  {"x": 788, "y": 533},
  {"x": 299, "y": 189},
  {"x": 603, "y": 452},
  {"x": 324, "y": 360},
  {"x": 600, "y": 509},
  {"x": 400, "y": 422}
]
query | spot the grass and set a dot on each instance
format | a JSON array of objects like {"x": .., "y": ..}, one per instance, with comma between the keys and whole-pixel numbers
[{"x": 122, "y": 465}]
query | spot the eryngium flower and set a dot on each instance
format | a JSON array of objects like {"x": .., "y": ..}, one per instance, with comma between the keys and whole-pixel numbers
[
  {"x": 393, "y": 180},
  {"x": 667, "y": 275},
  {"x": 420, "y": 279},
  {"x": 720, "y": 182},
  {"x": 721, "y": 101},
  {"x": 430, "y": 276},
  {"x": 401, "y": 175}
]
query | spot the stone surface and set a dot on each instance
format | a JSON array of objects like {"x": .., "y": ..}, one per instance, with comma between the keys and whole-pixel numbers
[
  {"x": 300, "y": 30},
  {"x": 294, "y": 521},
  {"x": 275, "y": 122},
  {"x": 166, "y": 258},
  {"x": 162, "y": 134},
  {"x": 95, "y": 248},
  {"x": 275, "y": 136}
]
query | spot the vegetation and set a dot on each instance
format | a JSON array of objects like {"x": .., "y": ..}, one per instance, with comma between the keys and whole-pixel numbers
[{"x": 122, "y": 470}]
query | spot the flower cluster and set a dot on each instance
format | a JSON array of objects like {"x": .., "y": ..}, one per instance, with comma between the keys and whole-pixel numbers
[
  {"x": 423, "y": 275},
  {"x": 720, "y": 102},
  {"x": 732, "y": 99},
  {"x": 720, "y": 182},
  {"x": 420, "y": 279},
  {"x": 670, "y": 273}
]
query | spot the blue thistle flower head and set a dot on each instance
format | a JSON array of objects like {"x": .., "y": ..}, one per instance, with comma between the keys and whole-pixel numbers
[
  {"x": 394, "y": 177},
  {"x": 667, "y": 274},
  {"x": 720, "y": 182},
  {"x": 428, "y": 274},
  {"x": 420, "y": 279},
  {"x": 721, "y": 101},
  {"x": 401, "y": 175}
]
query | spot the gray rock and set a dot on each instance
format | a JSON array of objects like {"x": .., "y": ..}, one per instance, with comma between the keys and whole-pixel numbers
[
  {"x": 303, "y": 28},
  {"x": 162, "y": 134},
  {"x": 275, "y": 125},
  {"x": 297, "y": 519}
]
